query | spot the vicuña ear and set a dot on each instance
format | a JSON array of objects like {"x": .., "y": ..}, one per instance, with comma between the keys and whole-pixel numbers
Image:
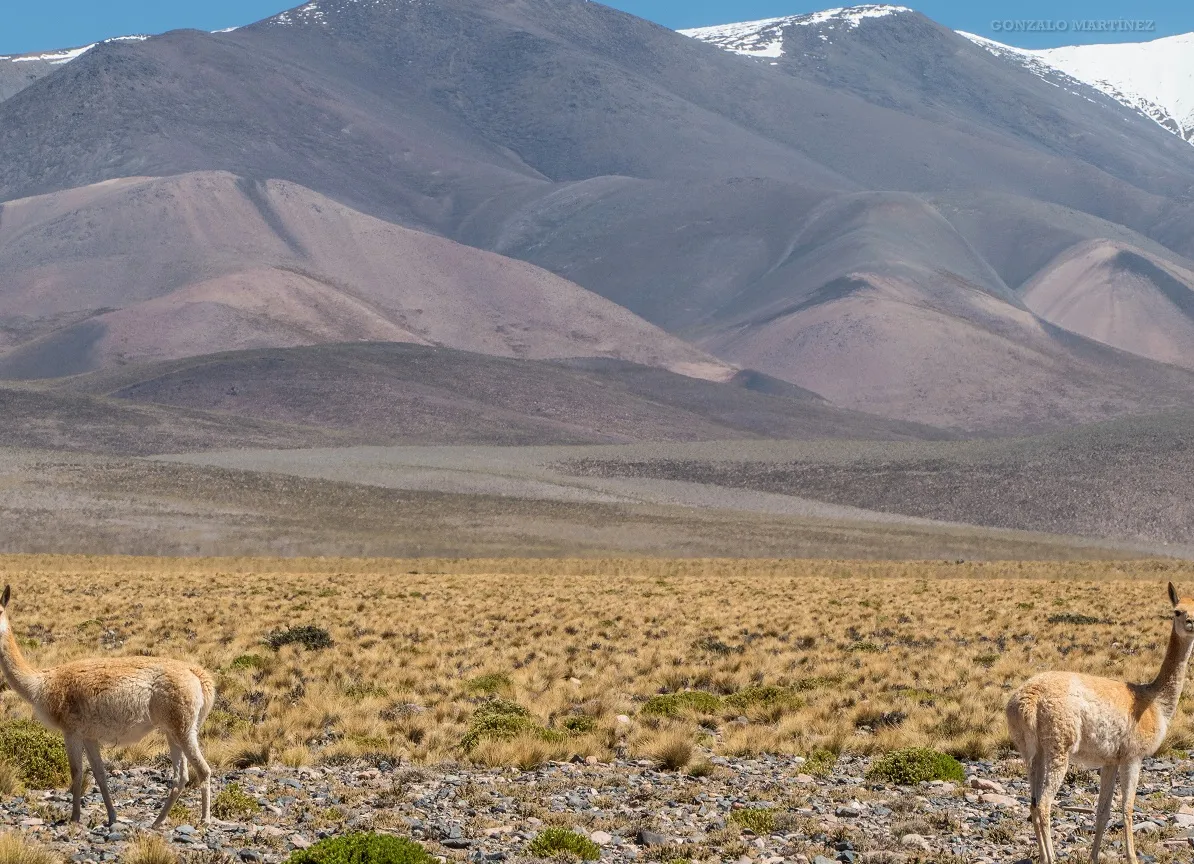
[
  {"x": 1172, "y": 594},
  {"x": 7, "y": 594}
]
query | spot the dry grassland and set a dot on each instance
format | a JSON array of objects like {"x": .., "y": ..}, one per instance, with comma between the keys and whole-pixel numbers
[{"x": 815, "y": 655}]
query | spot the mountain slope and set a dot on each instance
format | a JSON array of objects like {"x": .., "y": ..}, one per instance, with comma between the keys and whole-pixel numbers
[
  {"x": 1121, "y": 296},
  {"x": 1155, "y": 78},
  {"x": 402, "y": 393},
  {"x": 205, "y": 262}
]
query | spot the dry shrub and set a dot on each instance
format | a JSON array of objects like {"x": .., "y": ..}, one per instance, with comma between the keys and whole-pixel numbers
[
  {"x": 149, "y": 848},
  {"x": 15, "y": 848},
  {"x": 672, "y": 748}
]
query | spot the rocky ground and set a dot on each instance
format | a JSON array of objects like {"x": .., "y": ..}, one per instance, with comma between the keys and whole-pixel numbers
[{"x": 630, "y": 809}]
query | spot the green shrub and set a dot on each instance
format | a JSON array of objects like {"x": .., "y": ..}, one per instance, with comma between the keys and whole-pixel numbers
[
  {"x": 579, "y": 724},
  {"x": 816, "y": 682},
  {"x": 36, "y": 752},
  {"x": 757, "y": 820},
  {"x": 501, "y": 720},
  {"x": 488, "y": 685},
  {"x": 911, "y": 766},
  {"x": 308, "y": 635},
  {"x": 684, "y": 702},
  {"x": 363, "y": 848},
  {"x": 233, "y": 802},
  {"x": 248, "y": 661},
  {"x": 750, "y": 697},
  {"x": 562, "y": 843},
  {"x": 820, "y": 763}
]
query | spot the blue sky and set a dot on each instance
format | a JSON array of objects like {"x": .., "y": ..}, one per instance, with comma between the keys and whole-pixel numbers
[{"x": 43, "y": 24}]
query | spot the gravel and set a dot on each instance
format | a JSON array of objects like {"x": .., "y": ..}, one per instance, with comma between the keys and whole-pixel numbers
[{"x": 628, "y": 808}]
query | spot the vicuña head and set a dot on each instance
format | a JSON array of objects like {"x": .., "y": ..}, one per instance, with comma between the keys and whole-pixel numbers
[
  {"x": 115, "y": 700},
  {"x": 1059, "y": 717}
]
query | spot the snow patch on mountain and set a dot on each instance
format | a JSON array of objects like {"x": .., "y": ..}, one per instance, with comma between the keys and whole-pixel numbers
[
  {"x": 1154, "y": 78},
  {"x": 765, "y": 38},
  {"x": 66, "y": 55}
]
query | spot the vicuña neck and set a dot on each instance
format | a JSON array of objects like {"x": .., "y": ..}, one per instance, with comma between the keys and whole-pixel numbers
[
  {"x": 1172, "y": 677},
  {"x": 20, "y": 676}
]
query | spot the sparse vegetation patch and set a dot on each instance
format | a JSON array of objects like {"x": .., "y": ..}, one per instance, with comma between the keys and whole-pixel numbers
[{"x": 914, "y": 765}]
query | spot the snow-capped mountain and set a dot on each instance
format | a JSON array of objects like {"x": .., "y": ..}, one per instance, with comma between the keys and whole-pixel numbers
[
  {"x": 766, "y": 38},
  {"x": 1155, "y": 78}
]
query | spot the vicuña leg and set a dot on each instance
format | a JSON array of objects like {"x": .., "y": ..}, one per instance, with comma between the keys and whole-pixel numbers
[
  {"x": 1053, "y": 773},
  {"x": 179, "y": 761},
  {"x": 202, "y": 771},
  {"x": 1129, "y": 774},
  {"x": 78, "y": 774},
  {"x": 1107, "y": 776},
  {"x": 92, "y": 749}
]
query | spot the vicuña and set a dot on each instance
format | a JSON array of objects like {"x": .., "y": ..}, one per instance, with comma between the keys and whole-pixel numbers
[
  {"x": 116, "y": 700},
  {"x": 1056, "y": 717}
]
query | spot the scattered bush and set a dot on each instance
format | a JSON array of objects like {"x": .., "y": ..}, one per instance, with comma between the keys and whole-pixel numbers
[
  {"x": 233, "y": 802},
  {"x": 149, "y": 849},
  {"x": 684, "y": 702},
  {"x": 502, "y": 720},
  {"x": 248, "y": 661},
  {"x": 308, "y": 635},
  {"x": 880, "y": 719},
  {"x": 751, "y": 697},
  {"x": 816, "y": 682},
  {"x": 1075, "y": 618},
  {"x": 579, "y": 724},
  {"x": 715, "y": 646},
  {"x": 757, "y": 820},
  {"x": 15, "y": 849},
  {"x": 672, "y": 749},
  {"x": 488, "y": 685},
  {"x": 363, "y": 848},
  {"x": 358, "y": 691},
  {"x": 820, "y": 763},
  {"x": 916, "y": 764},
  {"x": 563, "y": 843},
  {"x": 36, "y": 752},
  {"x": 10, "y": 779}
]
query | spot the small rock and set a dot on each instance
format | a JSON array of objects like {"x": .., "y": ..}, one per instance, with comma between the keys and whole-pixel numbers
[
  {"x": 456, "y": 843},
  {"x": 270, "y": 831},
  {"x": 650, "y": 838},
  {"x": 601, "y": 838},
  {"x": 985, "y": 785},
  {"x": 298, "y": 841},
  {"x": 915, "y": 841},
  {"x": 592, "y": 760},
  {"x": 1184, "y": 820},
  {"x": 622, "y": 719},
  {"x": 847, "y": 812},
  {"x": 1146, "y": 827},
  {"x": 999, "y": 800}
]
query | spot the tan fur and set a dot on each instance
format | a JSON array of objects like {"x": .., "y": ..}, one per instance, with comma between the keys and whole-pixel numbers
[
  {"x": 116, "y": 700},
  {"x": 1058, "y": 717}
]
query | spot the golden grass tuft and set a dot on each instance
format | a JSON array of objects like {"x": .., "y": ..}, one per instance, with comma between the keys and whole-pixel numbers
[
  {"x": 835, "y": 656},
  {"x": 15, "y": 848},
  {"x": 149, "y": 848}
]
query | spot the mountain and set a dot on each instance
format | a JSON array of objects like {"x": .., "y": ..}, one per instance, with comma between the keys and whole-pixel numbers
[
  {"x": 144, "y": 269},
  {"x": 1155, "y": 78},
  {"x": 860, "y": 213},
  {"x": 388, "y": 393},
  {"x": 18, "y": 71}
]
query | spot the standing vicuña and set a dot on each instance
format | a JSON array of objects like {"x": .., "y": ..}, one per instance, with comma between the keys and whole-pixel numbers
[
  {"x": 116, "y": 700},
  {"x": 1099, "y": 723}
]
